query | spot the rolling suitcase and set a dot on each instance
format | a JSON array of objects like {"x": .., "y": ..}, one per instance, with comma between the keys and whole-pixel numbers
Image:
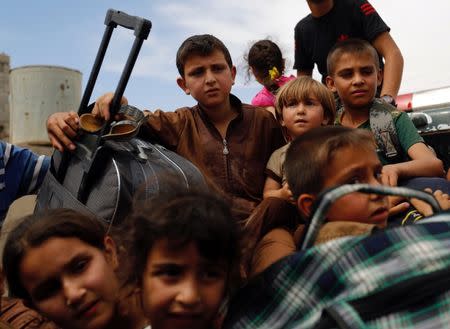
[{"x": 110, "y": 164}]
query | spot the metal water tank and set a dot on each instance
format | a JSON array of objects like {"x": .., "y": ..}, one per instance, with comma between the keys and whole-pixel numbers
[{"x": 36, "y": 92}]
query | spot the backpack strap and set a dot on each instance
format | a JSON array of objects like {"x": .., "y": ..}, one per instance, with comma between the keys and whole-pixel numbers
[{"x": 383, "y": 128}]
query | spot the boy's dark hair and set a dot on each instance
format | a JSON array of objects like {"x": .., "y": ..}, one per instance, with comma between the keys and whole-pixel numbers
[
  {"x": 308, "y": 155},
  {"x": 350, "y": 46},
  {"x": 35, "y": 229},
  {"x": 263, "y": 56},
  {"x": 183, "y": 216},
  {"x": 202, "y": 45}
]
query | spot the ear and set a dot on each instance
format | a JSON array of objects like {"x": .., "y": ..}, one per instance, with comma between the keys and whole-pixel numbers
[
  {"x": 379, "y": 77},
  {"x": 182, "y": 84},
  {"x": 304, "y": 204},
  {"x": 330, "y": 83},
  {"x": 233, "y": 73},
  {"x": 111, "y": 252},
  {"x": 326, "y": 120}
]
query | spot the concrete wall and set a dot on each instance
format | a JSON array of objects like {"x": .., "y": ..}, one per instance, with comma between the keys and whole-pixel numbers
[{"x": 4, "y": 95}]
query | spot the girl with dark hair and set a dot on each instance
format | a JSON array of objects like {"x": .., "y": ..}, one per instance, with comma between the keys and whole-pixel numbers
[
  {"x": 186, "y": 258},
  {"x": 64, "y": 265},
  {"x": 266, "y": 63}
]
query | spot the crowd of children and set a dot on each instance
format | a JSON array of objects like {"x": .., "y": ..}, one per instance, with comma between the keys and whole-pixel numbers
[{"x": 181, "y": 254}]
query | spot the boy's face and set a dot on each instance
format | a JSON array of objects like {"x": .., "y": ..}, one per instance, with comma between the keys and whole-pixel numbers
[
  {"x": 180, "y": 288},
  {"x": 208, "y": 79},
  {"x": 300, "y": 117},
  {"x": 352, "y": 165},
  {"x": 355, "y": 79}
]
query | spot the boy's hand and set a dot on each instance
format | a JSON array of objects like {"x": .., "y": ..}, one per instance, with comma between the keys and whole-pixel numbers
[
  {"x": 286, "y": 193},
  {"x": 389, "y": 175},
  {"x": 62, "y": 128},
  {"x": 425, "y": 209},
  {"x": 101, "y": 106}
]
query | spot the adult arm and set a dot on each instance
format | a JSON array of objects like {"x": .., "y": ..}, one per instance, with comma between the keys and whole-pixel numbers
[{"x": 393, "y": 66}]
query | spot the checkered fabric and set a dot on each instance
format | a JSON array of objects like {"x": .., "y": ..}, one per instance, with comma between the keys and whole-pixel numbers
[{"x": 294, "y": 292}]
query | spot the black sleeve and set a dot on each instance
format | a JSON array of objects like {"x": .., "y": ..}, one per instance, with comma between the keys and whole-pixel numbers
[
  {"x": 371, "y": 24},
  {"x": 303, "y": 57}
]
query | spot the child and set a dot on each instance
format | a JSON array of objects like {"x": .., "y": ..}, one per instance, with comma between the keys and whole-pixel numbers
[
  {"x": 228, "y": 141},
  {"x": 21, "y": 173},
  {"x": 266, "y": 63},
  {"x": 354, "y": 73},
  {"x": 301, "y": 104},
  {"x": 186, "y": 260},
  {"x": 63, "y": 265},
  {"x": 322, "y": 158}
]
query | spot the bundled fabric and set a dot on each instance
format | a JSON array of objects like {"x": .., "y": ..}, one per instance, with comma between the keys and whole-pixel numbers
[{"x": 398, "y": 278}]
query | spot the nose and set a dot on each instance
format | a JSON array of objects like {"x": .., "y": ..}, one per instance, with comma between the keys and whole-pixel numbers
[
  {"x": 73, "y": 292},
  {"x": 209, "y": 77},
  {"x": 301, "y": 108},
  {"x": 375, "y": 196},
  {"x": 189, "y": 293},
  {"x": 358, "y": 79}
]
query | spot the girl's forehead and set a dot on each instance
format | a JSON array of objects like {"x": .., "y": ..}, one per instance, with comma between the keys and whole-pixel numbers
[{"x": 176, "y": 251}]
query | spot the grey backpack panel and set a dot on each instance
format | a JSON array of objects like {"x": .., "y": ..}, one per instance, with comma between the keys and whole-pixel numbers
[{"x": 122, "y": 168}]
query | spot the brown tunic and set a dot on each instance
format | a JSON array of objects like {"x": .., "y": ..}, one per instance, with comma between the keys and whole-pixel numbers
[{"x": 234, "y": 165}]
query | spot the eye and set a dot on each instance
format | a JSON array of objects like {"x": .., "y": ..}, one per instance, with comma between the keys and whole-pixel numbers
[
  {"x": 367, "y": 71},
  {"x": 212, "y": 273},
  {"x": 196, "y": 72},
  {"x": 346, "y": 74},
  {"x": 168, "y": 271},
  {"x": 218, "y": 68},
  {"x": 79, "y": 266},
  {"x": 378, "y": 175},
  {"x": 354, "y": 180},
  {"x": 291, "y": 104}
]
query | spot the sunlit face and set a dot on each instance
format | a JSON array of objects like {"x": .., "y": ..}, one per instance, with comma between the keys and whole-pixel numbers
[
  {"x": 181, "y": 289},
  {"x": 208, "y": 79},
  {"x": 71, "y": 282},
  {"x": 299, "y": 117},
  {"x": 353, "y": 165},
  {"x": 355, "y": 79}
]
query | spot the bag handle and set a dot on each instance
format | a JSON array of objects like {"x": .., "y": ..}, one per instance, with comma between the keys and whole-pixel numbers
[
  {"x": 326, "y": 199},
  {"x": 141, "y": 27}
]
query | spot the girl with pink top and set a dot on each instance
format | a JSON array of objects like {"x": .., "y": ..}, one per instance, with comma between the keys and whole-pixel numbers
[{"x": 266, "y": 63}]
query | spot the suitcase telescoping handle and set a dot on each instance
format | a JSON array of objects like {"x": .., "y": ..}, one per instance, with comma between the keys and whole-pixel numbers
[
  {"x": 141, "y": 27},
  {"x": 328, "y": 197}
]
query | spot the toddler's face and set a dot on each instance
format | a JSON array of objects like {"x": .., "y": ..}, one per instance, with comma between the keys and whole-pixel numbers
[
  {"x": 180, "y": 288},
  {"x": 353, "y": 165},
  {"x": 299, "y": 117}
]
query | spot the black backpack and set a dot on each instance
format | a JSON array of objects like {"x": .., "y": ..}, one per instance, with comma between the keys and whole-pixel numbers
[{"x": 110, "y": 164}]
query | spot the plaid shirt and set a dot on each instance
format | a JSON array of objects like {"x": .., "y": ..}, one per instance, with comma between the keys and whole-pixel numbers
[{"x": 293, "y": 292}]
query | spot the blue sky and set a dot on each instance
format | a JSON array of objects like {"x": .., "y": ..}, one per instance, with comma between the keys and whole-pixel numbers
[{"x": 67, "y": 33}]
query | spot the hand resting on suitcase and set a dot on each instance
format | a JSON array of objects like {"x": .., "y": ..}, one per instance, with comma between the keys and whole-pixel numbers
[
  {"x": 62, "y": 127},
  {"x": 101, "y": 106}
]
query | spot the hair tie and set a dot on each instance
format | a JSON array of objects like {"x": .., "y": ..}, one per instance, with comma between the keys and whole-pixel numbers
[{"x": 273, "y": 73}]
